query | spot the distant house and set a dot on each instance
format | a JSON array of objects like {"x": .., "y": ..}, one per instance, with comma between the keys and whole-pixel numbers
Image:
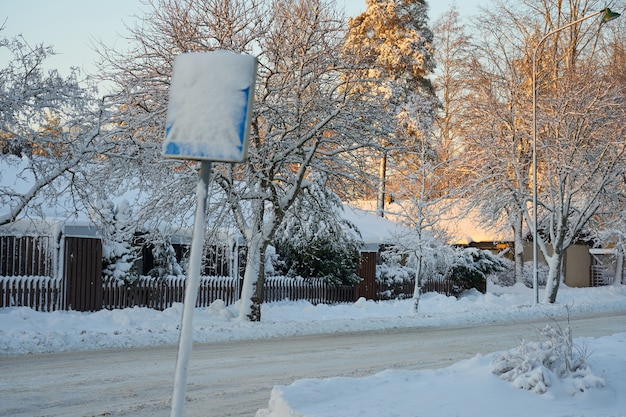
[{"x": 584, "y": 266}]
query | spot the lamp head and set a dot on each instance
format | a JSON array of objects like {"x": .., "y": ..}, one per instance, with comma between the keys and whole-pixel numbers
[{"x": 608, "y": 15}]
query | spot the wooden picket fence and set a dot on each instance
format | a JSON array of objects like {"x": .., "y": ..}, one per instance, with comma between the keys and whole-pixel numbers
[
  {"x": 315, "y": 291},
  {"x": 160, "y": 294},
  {"x": 403, "y": 289},
  {"x": 46, "y": 294},
  {"x": 25, "y": 256},
  {"x": 36, "y": 292}
]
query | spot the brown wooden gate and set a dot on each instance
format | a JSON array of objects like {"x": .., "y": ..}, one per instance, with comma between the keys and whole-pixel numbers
[
  {"x": 83, "y": 273},
  {"x": 367, "y": 271}
]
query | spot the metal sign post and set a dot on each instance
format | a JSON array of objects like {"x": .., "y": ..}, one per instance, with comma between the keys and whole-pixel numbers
[
  {"x": 208, "y": 119},
  {"x": 191, "y": 293}
]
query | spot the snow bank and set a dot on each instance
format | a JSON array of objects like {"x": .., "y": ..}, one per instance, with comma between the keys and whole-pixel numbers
[
  {"x": 467, "y": 388},
  {"x": 23, "y": 330}
]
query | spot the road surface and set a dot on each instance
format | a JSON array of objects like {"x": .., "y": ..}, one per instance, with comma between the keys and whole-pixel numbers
[{"x": 236, "y": 378}]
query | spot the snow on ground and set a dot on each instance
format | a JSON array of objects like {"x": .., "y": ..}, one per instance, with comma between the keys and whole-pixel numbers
[
  {"x": 442, "y": 392},
  {"x": 467, "y": 388}
]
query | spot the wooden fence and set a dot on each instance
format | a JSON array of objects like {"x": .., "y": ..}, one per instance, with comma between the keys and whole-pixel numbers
[
  {"x": 38, "y": 293},
  {"x": 315, "y": 291},
  {"x": 26, "y": 256},
  {"x": 46, "y": 294},
  {"x": 160, "y": 294}
]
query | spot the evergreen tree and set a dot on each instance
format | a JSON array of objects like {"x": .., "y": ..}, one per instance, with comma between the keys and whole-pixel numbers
[
  {"x": 391, "y": 46},
  {"x": 314, "y": 241},
  {"x": 165, "y": 263},
  {"x": 116, "y": 225}
]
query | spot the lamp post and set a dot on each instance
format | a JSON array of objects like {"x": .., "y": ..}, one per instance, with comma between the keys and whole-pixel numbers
[{"x": 607, "y": 15}]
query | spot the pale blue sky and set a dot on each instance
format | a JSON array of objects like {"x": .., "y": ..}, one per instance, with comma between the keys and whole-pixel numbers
[{"x": 70, "y": 26}]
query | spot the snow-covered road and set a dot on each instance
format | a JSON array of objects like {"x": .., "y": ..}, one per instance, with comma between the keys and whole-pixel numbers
[{"x": 236, "y": 378}]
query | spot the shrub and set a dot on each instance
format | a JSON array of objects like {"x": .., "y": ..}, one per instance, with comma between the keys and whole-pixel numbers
[
  {"x": 535, "y": 366},
  {"x": 397, "y": 281},
  {"x": 314, "y": 240},
  {"x": 165, "y": 263},
  {"x": 319, "y": 258},
  {"x": 506, "y": 277},
  {"x": 470, "y": 269}
]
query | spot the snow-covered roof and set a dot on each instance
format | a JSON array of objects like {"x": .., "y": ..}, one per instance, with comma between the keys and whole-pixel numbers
[
  {"x": 461, "y": 227},
  {"x": 375, "y": 230}
]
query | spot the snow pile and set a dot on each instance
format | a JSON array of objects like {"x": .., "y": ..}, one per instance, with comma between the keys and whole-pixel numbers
[
  {"x": 467, "y": 388},
  {"x": 536, "y": 365},
  {"x": 24, "y": 331}
]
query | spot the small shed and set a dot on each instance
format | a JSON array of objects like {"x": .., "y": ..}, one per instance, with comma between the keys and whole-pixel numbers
[{"x": 375, "y": 232}]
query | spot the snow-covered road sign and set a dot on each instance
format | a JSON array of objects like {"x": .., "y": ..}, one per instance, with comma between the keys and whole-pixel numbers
[{"x": 210, "y": 105}]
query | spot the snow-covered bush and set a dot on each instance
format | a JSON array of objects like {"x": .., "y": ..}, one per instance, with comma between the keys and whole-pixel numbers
[
  {"x": 118, "y": 229},
  {"x": 314, "y": 241},
  {"x": 435, "y": 254},
  {"x": 538, "y": 365},
  {"x": 466, "y": 268},
  {"x": 470, "y": 269},
  {"x": 165, "y": 263},
  {"x": 389, "y": 272},
  {"x": 394, "y": 278},
  {"x": 273, "y": 263},
  {"x": 506, "y": 277},
  {"x": 318, "y": 258}
]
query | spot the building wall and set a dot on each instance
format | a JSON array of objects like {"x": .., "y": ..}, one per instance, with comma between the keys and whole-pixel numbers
[
  {"x": 577, "y": 266},
  {"x": 577, "y": 263}
]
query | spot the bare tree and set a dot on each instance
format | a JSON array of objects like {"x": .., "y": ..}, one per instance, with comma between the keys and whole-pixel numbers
[
  {"x": 453, "y": 55},
  {"x": 303, "y": 116},
  {"x": 579, "y": 151},
  {"x": 50, "y": 129},
  {"x": 496, "y": 144}
]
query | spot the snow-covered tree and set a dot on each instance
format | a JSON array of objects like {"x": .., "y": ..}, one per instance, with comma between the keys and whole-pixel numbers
[
  {"x": 423, "y": 250},
  {"x": 496, "y": 144},
  {"x": 164, "y": 255},
  {"x": 118, "y": 227},
  {"x": 304, "y": 121},
  {"x": 314, "y": 241},
  {"x": 303, "y": 118},
  {"x": 391, "y": 46},
  {"x": 452, "y": 54},
  {"x": 50, "y": 128},
  {"x": 580, "y": 153}
]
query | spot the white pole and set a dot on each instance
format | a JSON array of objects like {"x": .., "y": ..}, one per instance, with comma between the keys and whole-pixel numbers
[
  {"x": 191, "y": 293},
  {"x": 535, "y": 260}
]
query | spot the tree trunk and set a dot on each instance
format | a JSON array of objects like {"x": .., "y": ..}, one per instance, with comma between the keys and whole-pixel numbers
[
  {"x": 554, "y": 276},
  {"x": 418, "y": 286},
  {"x": 254, "y": 278},
  {"x": 382, "y": 175}
]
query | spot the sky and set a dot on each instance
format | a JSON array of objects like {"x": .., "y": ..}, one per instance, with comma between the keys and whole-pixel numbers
[
  {"x": 595, "y": 391},
  {"x": 72, "y": 26}
]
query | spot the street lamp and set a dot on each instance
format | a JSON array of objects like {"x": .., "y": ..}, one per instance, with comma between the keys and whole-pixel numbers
[{"x": 607, "y": 15}]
